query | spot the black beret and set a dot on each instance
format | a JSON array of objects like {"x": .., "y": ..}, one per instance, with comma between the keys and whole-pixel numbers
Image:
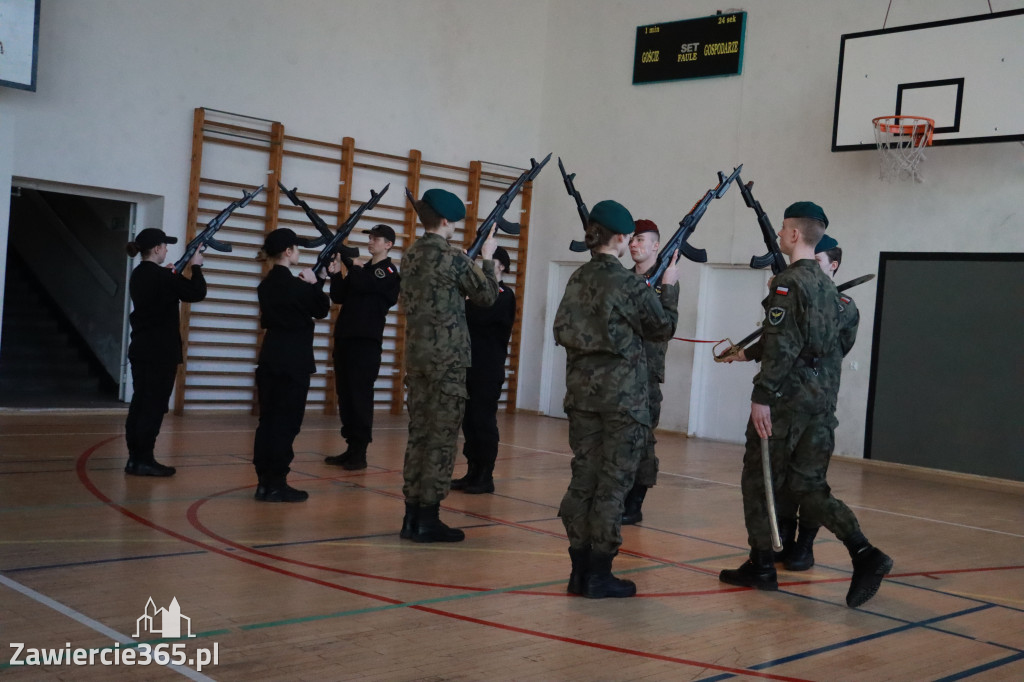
[
  {"x": 447, "y": 205},
  {"x": 806, "y": 209},
  {"x": 613, "y": 215}
]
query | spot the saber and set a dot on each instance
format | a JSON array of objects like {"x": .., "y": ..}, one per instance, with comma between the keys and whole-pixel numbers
[
  {"x": 769, "y": 495},
  {"x": 734, "y": 348}
]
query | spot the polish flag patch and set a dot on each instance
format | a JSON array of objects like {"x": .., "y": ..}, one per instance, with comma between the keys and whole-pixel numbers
[
  {"x": 782, "y": 291},
  {"x": 844, "y": 299}
]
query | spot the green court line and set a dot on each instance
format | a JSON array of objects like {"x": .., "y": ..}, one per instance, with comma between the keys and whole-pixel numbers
[{"x": 423, "y": 602}]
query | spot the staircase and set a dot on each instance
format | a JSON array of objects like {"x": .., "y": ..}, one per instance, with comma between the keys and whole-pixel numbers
[{"x": 43, "y": 363}]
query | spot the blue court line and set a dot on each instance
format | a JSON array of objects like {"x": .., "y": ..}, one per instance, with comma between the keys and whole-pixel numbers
[
  {"x": 908, "y": 625},
  {"x": 970, "y": 672},
  {"x": 92, "y": 562}
]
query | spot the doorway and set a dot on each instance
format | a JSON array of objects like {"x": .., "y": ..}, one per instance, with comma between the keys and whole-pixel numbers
[
  {"x": 64, "y": 299},
  {"x": 730, "y": 306}
]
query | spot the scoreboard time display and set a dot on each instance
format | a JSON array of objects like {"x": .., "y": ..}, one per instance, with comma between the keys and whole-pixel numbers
[{"x": 692, "y": 48}]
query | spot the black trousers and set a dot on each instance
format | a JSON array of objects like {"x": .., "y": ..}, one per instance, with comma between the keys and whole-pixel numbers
[
  {"x": 356, "y": 366},
  {"x": 480, "y": 425},
  {"x": 153, "y": 383},
  {"x": 282, "y": 398}
]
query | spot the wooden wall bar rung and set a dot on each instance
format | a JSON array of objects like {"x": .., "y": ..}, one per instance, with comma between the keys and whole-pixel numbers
[{"x": 207, "y": 378}]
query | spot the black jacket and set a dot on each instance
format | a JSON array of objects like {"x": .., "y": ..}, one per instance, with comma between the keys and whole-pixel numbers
[
  {"x": 287, "y": 308},
  {"x": 490, "y": 329},
  {"x": 365, "y": 294},
  {"x": 155, "y": 292}
]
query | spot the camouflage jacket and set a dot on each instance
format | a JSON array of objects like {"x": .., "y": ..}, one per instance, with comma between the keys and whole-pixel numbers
[
  {"x": 849, "y": 320},
  {"x": 602, "y": 321},
  {"x": 654, "y": 351},
  {"x": 436, "y": 279},
  {"x": 801, "y": 332}
]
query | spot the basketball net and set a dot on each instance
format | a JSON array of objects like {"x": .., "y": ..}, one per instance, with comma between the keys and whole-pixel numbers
[{"x": 901, "y": 141}]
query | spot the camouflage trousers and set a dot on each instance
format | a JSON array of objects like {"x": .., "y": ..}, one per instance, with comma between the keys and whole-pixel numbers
[
  {"x": 800, "y": 447},
  {"x": 647, "y": 468},
  {"x": 605, "y": 447},
  {"x": 436, "y": 405}
]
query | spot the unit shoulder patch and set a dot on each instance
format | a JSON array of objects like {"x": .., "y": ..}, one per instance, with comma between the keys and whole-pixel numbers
[
  {"x": 379, "y": 272},
  {"x": 776, "y": 315}
]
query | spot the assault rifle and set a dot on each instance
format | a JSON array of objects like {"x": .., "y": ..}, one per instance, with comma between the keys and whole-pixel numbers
[
  {"x": 687, "y": 225},
  {"x": 335, "y": 243},
  {"x": 774, "y": 256},
  {"x": 749, "y": 339},
  {"x": 205, "y": 238},
  {"x": 318, "y": 222},
  {"x": 501, "y": 205},
  {"x": 581, "y": 208}
]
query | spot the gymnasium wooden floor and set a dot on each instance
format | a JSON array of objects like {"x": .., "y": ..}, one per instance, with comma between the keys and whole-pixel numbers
[{"x": 325, "y": 590}]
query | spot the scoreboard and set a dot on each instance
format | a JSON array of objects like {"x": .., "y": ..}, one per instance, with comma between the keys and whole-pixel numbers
[{"x": 692, "y": 48}]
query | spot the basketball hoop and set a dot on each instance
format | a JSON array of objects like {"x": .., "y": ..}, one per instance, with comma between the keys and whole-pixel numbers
[{"x": 901, "y": 141}]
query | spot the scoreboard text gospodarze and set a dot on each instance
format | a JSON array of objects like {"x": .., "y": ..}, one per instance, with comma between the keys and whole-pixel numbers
[{"x": 692, "y": 48}]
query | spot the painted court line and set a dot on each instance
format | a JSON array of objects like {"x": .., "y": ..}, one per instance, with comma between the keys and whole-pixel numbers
[{"x": 94, "y": 625}]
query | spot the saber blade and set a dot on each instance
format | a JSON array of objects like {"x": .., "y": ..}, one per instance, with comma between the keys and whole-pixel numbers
[{"x": 769, "y": 495}]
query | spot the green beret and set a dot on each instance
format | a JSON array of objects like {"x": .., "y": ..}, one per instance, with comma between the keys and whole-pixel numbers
[
  {"x": 826, "y": 244},
  {"x": 806, "y": 209},
  {"x": 613, "y": 215},
  {"x": 447, "y": 205}
]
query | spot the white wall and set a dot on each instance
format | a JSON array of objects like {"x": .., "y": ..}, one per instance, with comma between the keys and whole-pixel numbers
[
  {"x": 656, "y": 148},
  {"x": 503, "y": 81},
  {"x": 118, "y": 80}
]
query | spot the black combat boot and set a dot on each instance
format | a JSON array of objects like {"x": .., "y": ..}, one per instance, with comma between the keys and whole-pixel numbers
[
  {"x": 578, "y": 578},
  {"x": 870, "y": 566},
  {"x": 356, "y": 457},
  {"x": 136, "y": 467},
  {"x": 472, "y": 470},
  {"x": 758, "y": 571},
  {"x": 787, "y": 533},
  {"x": 631, "y": 513},
  {"x": 410, "y": 520},
  {"x": 801, "y": 555},
  {"x": 276, "y": 489},
  {"x": 484, "y": 481},
  {"x": 600, "y": 582},
  {"x": 430, "y": 528},
  {"x": 339, "y": 460}
]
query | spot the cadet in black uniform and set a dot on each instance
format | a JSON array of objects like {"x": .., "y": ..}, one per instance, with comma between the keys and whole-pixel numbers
[
  {"x": 155, "y": 348},
  {"x": 288, "y": 306},
  {"x": 490, "y": 328},
  {"x": 366, "y": 292}
]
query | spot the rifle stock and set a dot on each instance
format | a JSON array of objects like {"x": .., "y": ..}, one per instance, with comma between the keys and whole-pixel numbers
[
  {"x": 205, "y": 238},
  {"x": 581, "y": 208},
  {"x": 318, "y": 222},
  {"x": 687, "y": 226},
  {"x": 496, "y": 216},
  {"x": 774, "y": 257}
]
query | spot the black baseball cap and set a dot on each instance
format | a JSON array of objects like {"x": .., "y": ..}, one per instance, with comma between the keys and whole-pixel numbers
[
  {"x": 281, "y": 239},
  {"x": 501, "y": 255},
  {"x": 151, "y": 237},
  {"x": 381, "y": 230}
]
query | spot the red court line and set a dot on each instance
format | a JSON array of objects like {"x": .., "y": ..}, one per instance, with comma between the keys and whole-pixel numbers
[{"x": 83, "y": 476}]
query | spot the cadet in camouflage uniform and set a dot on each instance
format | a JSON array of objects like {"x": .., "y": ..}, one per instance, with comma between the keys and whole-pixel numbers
[
  {"x": 436, "y": 279},
  {"x": 643, "y": 249},
  {"x": 602, "y": 321},
  {"x": 798, "y": 550},
  {"x": 793, "y": 404}
]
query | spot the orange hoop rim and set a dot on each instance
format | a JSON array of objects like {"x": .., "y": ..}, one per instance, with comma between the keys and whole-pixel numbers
[{"x": 919, "y": 126}]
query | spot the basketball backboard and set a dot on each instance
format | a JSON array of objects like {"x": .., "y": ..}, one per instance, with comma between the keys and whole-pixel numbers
[{"x": 967, "y": 74}]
